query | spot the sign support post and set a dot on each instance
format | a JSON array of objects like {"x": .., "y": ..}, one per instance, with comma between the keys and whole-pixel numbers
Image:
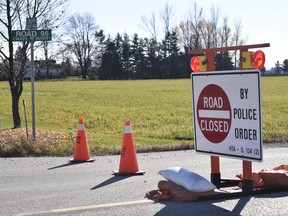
[
  {"x": 31, "y": 34},
  {"x": 33, "y": 92},
  {"x": 31, "y": 24}
]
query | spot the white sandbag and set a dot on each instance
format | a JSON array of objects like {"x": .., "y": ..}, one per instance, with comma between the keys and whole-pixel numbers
[{"x": 187, "y": 179}]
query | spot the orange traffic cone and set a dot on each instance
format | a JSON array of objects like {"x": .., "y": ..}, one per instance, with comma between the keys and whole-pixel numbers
[
  {"x": 81, "y": 153},
  {"x": 128, "y": 161}
]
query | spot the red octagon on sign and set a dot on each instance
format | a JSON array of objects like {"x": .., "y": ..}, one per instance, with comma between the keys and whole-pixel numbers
[{"x": 214, "y": 113}]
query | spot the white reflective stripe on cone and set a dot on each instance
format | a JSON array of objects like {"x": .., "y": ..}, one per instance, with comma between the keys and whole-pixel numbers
[
  {"x": 127, "y": 129},
  {"x": 80, "y": 126}
]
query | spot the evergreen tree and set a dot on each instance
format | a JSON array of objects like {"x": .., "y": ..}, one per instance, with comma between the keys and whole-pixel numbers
[
  {"x": 134, "y": 57},
  {"x": 153, "y": 60},
  {"x": 142, "y": 61},
  {"x": 117, "y": 58},
  {"x": 111, "y": 64},
  {"x": 137, "y": 57},
  {"x": 66, "y": 67},
  {"x": 285, "y": 66},
  {"x": 148, "y": 56},
  {"x": 278, "y": 68},
  {"x": 223, "y": 61},
  {"x": 126, "y": 56},
  {"x": 164, "y": 73},
  {"x": 107, "y": 60},
  {"x": 174, "y": 56}
]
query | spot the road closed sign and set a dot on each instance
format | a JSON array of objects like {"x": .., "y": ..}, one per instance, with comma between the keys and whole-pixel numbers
[{"x": 227, "y": 114}]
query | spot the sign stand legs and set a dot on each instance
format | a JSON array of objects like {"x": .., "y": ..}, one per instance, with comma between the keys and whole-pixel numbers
[
  {"x": 215, "y": 171},
  {"x": 247, "y": 182}
]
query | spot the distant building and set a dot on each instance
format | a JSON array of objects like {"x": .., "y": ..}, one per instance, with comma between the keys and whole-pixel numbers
[{"x": 44, "y": 69}]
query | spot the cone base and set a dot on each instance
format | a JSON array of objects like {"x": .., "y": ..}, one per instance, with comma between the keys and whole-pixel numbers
[
  {"x": 140, "y": 172},
  {"x": 82, "y": 161}
]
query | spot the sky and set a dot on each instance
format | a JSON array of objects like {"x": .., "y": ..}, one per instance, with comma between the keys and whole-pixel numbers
[{"x": 264, "y": 21}]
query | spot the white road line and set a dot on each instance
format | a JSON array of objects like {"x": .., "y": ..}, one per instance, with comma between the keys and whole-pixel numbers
[{"x": 79, "y": 208}]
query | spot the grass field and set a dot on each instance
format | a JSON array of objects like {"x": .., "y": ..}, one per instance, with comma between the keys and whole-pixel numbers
[{"x": 160, "y": 111}]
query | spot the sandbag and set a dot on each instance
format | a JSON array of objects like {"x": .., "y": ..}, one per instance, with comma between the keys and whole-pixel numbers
[
  {"x": 277, "y": 177},
  {"x": 177, "y": 192},
  {"x": 257, "y": 180},
  {"x": 168, "y": 190},
  {"x": 189, "y": 180}
]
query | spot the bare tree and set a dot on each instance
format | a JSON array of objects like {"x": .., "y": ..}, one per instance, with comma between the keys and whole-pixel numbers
[
  {"x": 12, "y": 16},
  {"x": 238, "y": 38},
  {"x": 167, "y": 14},
  {"x": 185, "y": 35},
  {"x": 190, "y": 30},
  {"x": 196, "y": 19},
  {"x": 206, "y": 34},
  {"x": 199, "y": 31},
  {"x": 150, "y": 25},
  {"x": 214, "y": 19},
  {"x": 82, "y": 31},
  {"x": 225, "y": 34}
]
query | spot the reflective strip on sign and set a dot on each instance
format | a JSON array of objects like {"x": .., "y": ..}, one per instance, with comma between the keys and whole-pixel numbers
[
  {"x": 127, "y": 129},
  {"x": 214, "y": 114},
  {"x": 80, "y": 126}
]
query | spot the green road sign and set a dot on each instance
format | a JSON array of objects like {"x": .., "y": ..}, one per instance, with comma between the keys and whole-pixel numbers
[{"x": 31, "y": 35}]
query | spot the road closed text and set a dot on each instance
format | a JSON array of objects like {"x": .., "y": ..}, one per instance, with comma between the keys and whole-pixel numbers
[
  {"x": 244, "y": 133},
  {"x": 214, "y": 125}
]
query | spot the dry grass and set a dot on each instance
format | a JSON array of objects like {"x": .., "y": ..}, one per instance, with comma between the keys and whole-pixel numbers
[{"x": 14, "y": 143}]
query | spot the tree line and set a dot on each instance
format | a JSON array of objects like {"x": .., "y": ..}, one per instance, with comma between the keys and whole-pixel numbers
[
  {"x": 161, "y": 55},
  {"x": 123, "y": 57},
  {"x": 281, "y": 68}
]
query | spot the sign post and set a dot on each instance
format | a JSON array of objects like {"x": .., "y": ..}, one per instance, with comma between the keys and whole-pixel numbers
[
  {"x": 33, "y": 92},
  {"x": 32, "y": 35}
]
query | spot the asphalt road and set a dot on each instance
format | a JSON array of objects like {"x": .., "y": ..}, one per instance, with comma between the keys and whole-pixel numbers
[{"x": 53, "y": 186}]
